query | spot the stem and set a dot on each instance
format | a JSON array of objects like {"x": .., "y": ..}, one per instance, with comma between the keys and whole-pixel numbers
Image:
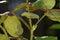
[
  {"x": 30, "y": 21},
  {"x": 31, "y": 31},
  {"x": 4, "y": 32},
  {"x": 40, "y": 19},
  {"x": 31, "y": 35},
  {"x": 24, "y": 23}
]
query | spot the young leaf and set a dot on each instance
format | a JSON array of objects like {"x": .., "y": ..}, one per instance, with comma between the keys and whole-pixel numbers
[
  {"x": 3, "y": 37},
  {"x": 37, "y": 3},
  {"x": 13, "y": 26},
  {"x": 55, "y": 26},
  {"x": 54, "y": 15},
  {"x": 30, "y": 15},
  {"x": 22, "y": 5}
]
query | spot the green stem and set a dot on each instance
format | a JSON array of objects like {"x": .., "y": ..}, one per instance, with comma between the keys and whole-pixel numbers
[
  {"x": 4, "y": 32},
  {"x": 40, "y": 19},
  {"x": 31, "y": 35},
  {"x": 30, "y": 21}
]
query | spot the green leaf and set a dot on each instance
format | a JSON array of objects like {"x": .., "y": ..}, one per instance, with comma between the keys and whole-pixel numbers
[
  {"x": 13, "y": 26},
  {"x": 3, "y": 37},
  {"x": 22, "y": 5},
  {"x": 45, "y": 3},
  {"x": 55, "y": 26},
  {"x": 37, "y": 3},
  {"x": 30, "y": 15},
  {"x": 48, "y": 38},
  {"x": 54, "y": 15},
  {"x": 49, "y": 3}
]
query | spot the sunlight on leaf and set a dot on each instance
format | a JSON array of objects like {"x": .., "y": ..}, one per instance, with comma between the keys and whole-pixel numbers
[
  {"x": 49, "y": 3},
  {"x": 54, "y": 15},
  {"x": 30, "y": 15},
  {"x": 55, "y": 26},
  {"x": 13, "y": 26},
  {"x": 3, "y": 37},
  {"x": 48, "y": 38}
]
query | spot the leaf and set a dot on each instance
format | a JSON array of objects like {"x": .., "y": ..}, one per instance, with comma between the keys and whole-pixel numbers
[
  {"x": 30, "y": 15},
  {"x": 22, "y": 5},
  {"x": 55, "y": 26},
  {"x": 48, "y": 38},
  {"x": 54, "y": 15},
  {"x": 37, "y": 3},
  {"x": 49, "y": 3},
  {"x": 13, "y": 26},
  {"x": 3, "y": 37}
]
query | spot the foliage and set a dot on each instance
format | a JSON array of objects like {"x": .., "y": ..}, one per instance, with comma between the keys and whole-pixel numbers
[
  {"x": 49, "y": 3},
  {"x": 54, "y": 14},
  {"x": 13, "y": 26},
  {"x": 38, "y": 3},
  {"x": 30, "y": 15}
]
